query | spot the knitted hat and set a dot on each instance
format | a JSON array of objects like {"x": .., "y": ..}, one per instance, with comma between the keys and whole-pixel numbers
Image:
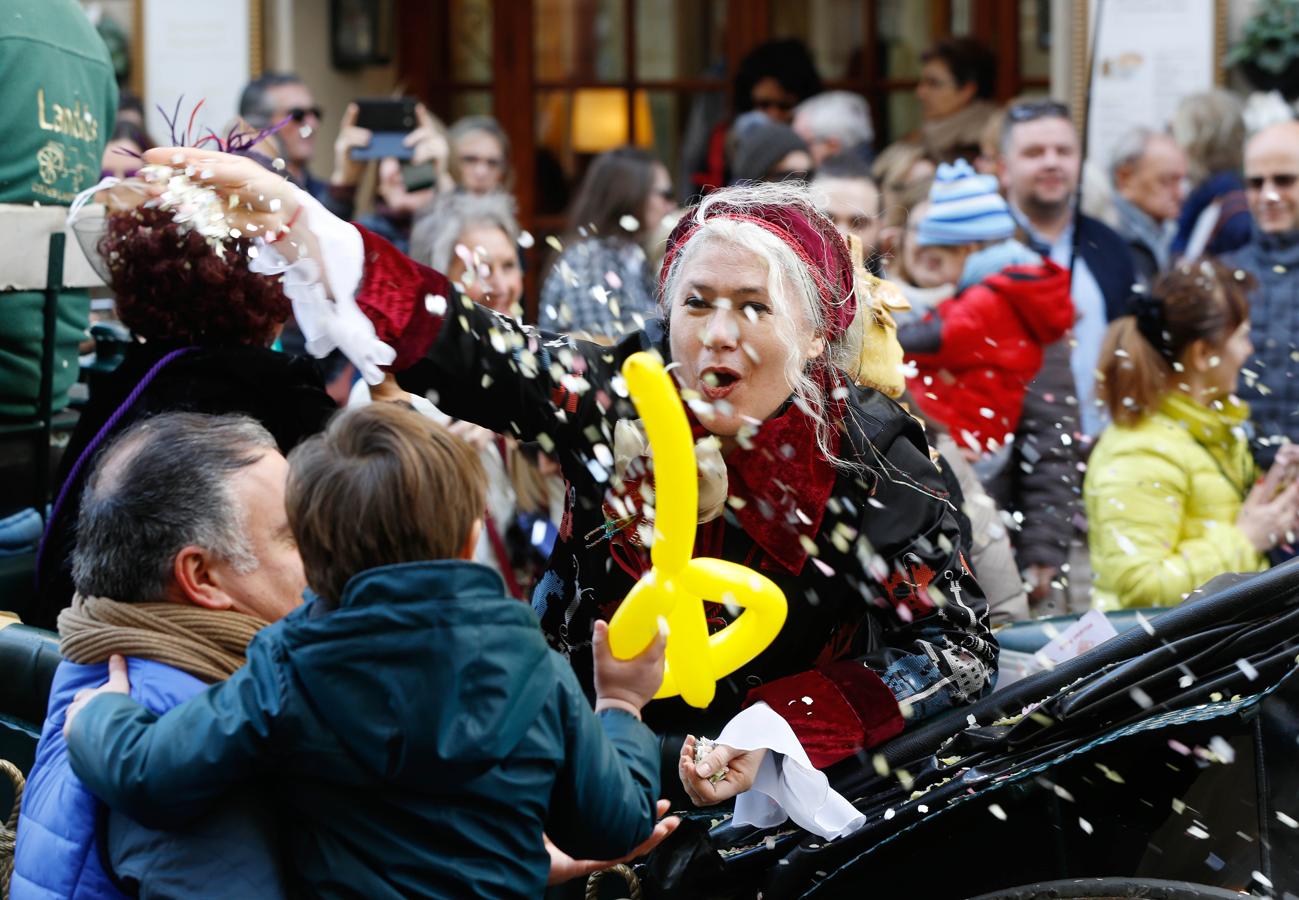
[
  {"x": 811, "y": 236},
  {"x": 964, "y": 208},
  {"x": 760, "y": 147}
]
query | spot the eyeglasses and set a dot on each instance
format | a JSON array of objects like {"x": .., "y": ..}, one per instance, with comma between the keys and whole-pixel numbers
[
  {"x": 1037, "y": 109},
  {"x": 1282, "y": 181},
  {"x": 300, "y": 113},
  {"x": 491, "y": 162},
  {"x": 766, "y": 104}
]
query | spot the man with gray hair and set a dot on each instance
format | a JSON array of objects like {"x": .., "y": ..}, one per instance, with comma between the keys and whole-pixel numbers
[
  {"x": 184, "y": 553},
  {"x": 1148, "y": 170},
  {"x": 277, "y": 96},
  {"x": 835, "y": 123}
]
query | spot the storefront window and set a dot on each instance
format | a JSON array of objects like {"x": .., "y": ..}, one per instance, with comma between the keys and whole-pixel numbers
[{"x": 581, "y": 39}]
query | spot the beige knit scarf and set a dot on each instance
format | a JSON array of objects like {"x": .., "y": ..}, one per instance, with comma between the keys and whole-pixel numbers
[{"x": 208, "y": 644}]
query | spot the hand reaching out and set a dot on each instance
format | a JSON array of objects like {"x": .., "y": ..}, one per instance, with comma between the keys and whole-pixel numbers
[
  {"x": 117, "y": 684},
  {"x": 564, "y": 868}
]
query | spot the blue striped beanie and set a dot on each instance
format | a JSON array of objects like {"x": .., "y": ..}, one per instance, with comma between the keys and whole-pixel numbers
[{"x": 964, "y": 208}]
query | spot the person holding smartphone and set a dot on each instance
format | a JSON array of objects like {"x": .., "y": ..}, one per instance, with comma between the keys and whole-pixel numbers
[{"x": 412, "y": 162}]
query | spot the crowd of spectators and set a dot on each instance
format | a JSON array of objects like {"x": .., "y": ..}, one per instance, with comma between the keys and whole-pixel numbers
[{"x": 1096, "y": 410}]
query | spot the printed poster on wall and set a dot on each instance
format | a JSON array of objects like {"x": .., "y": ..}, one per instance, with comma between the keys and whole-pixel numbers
[{"x": 1149, "y": 55}]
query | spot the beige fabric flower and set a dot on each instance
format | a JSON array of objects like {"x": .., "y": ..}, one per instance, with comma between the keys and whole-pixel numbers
[{"x": 630, "y": 444}]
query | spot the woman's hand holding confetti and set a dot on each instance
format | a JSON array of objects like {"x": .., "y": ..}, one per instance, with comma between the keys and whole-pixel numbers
[{"x": 256, "y": 201}]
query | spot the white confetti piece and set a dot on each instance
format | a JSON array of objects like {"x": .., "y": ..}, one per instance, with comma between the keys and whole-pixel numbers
[{"x": 1221, "y": 749}]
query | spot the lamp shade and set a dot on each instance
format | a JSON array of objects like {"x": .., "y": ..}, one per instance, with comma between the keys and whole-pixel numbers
[{"x": 600, "y": 120}]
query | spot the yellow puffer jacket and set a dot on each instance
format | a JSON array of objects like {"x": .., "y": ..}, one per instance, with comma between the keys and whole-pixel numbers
[{"x": 1162, "y": 500}]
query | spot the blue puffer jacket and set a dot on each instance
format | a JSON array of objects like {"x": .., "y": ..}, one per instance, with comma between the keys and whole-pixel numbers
[{"x": 57, "y": 854}]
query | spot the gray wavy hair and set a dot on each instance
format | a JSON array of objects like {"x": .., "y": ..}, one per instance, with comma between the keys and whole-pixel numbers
[
  {"x": 790, "y": 285},
  {"x": 1129, "y": 149},
  {"x": 842, "y": 115},
  {"x": 435, "y": 235},
  {"x": 160, "y": 486}
]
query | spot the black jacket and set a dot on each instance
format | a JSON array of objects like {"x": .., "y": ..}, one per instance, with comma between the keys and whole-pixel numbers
[
  {"x": 1110, "y": 261},
  {"x": 282, "y": 392},
  {"x": 1041, "y": 481}
]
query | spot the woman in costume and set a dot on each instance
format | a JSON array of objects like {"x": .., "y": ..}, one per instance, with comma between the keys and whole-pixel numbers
[{"x": 826, "y": 488}]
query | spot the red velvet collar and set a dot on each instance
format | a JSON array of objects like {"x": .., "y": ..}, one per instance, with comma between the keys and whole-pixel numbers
[{"x": 784, "y": 481}]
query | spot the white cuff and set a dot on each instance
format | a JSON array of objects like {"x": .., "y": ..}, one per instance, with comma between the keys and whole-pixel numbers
[
  {"x": 328, "y": 324},
  {"x": 789, "y": 788}
]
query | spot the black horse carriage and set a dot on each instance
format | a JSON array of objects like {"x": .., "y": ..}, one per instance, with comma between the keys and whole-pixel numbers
[{"x": 1156, "y": 765}]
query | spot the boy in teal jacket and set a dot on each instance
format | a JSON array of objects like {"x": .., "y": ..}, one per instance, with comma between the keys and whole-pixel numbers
[{"x": 420, "y": 733}]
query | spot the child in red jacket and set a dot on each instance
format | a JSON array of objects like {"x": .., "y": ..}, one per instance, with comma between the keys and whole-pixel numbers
[{"x": 976, "y": 352}]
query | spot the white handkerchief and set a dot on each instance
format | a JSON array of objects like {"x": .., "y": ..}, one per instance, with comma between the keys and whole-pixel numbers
[{"x": 789, "y": 786}]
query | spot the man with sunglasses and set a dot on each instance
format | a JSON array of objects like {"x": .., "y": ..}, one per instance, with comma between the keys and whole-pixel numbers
[
  {"x": 277, "y": 96},
  {"x": 1271, "y": 383}
]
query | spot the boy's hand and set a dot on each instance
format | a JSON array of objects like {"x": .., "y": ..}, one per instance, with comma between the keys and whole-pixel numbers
[
  {"x": 117, "y": 684},
  {"x": 564, "y": 868},
  {"x": 626, "y": 684}
]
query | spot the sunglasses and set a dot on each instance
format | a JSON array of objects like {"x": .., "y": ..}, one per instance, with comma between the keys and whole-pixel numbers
[
  {"x": 491, "y": 162},
  {"x": 299, "y": 113},
  {"x": 782, "y": 105},
  {"x": 1282, "y": 181},
  {"x": 1037, "y": 109}
]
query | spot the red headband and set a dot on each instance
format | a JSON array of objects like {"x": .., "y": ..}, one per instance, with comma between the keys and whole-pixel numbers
[{"x": 813, "y": 239}]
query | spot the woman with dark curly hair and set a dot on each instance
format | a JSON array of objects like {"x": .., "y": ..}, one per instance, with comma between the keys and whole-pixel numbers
[{"x": 203, "y": 324}]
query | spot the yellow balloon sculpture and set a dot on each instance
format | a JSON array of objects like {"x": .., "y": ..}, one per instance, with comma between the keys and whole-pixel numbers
[{"x": 677, "y": 585}]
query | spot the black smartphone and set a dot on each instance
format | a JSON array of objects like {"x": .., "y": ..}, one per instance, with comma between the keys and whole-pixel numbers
[{"x": 389, "y": 120}]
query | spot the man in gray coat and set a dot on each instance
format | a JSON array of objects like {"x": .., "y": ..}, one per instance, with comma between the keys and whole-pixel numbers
[{"x": 1270, "y": 379}]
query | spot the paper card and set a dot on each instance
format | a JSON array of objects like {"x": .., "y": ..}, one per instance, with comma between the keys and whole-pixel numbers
[{"x": 1091, "y": 630}]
